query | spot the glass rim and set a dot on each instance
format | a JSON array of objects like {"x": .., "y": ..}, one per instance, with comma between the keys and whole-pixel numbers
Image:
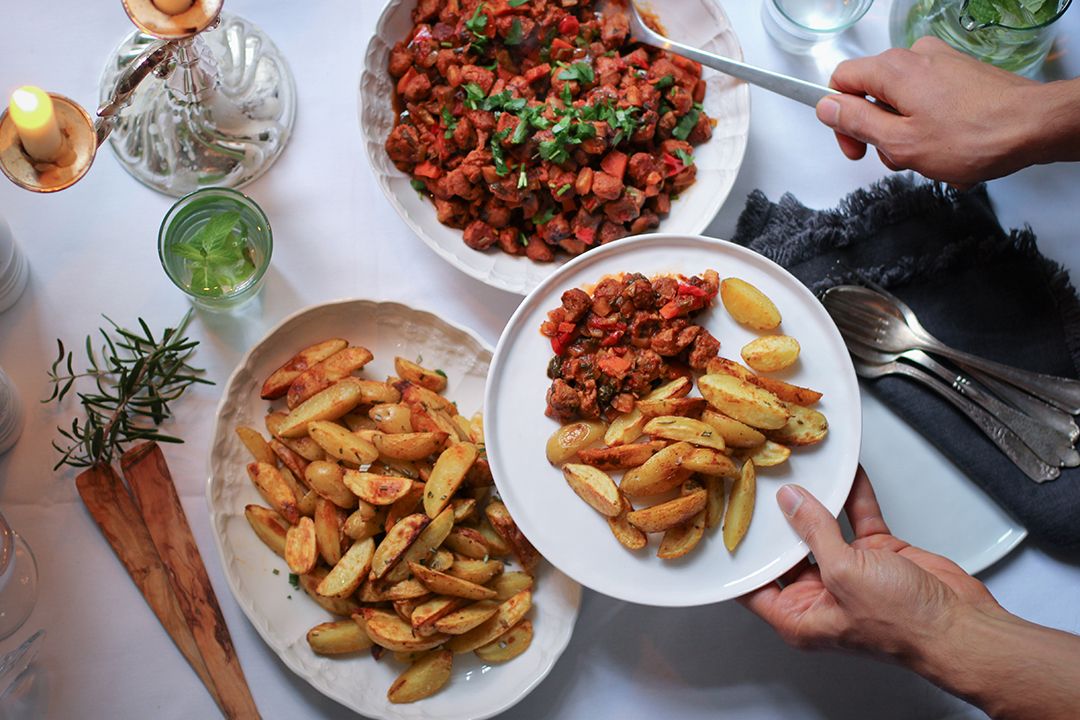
[
  {"x": 824, "y": 31},
  {"x": 983, "y": 26},
  {"x": 186, "y": 200},
  {"x": 7, "y": 545}
]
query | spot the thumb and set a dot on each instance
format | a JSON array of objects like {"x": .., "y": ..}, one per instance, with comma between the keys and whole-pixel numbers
[
  {"x": 812, "y": 521},
  {"x": 856, "y": 117}
]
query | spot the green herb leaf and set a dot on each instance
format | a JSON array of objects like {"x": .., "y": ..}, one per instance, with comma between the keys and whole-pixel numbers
[
  {"x": 514, "y": 36},
  {"x": 686, "y": 124},
  {"x": 516, "y": 3}
]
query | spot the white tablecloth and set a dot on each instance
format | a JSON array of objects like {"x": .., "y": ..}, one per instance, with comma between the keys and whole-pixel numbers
[{"x": 92, "y": 253}]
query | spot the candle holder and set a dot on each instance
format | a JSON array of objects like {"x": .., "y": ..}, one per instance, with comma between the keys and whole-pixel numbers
[{"x": 207, "y": 99}]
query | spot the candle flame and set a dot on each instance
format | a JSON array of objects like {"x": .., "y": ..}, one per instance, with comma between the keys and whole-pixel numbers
[{"x": 31, "y": 107}]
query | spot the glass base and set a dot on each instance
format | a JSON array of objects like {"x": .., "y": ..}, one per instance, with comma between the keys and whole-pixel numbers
[
  {"x": 19, "y": 594},
  {"x": 227, "y": 138}
]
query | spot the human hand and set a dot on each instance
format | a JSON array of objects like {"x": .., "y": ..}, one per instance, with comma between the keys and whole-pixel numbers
[
  {"x": 878, "y": 596},
  {"x": 959, "y": 120}
]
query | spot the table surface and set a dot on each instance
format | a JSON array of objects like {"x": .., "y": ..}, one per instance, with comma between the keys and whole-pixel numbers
[{"x": 91, "y": 251}]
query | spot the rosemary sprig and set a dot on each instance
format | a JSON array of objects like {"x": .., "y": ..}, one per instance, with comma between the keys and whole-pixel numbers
[{"x": 136, "y": 380}]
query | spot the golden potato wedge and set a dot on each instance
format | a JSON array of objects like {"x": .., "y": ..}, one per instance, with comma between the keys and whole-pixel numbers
[
  {"x": 681, "y": 406},
  {"x": 479, "y": 571},
  {"x": 767, "y": 454},
  {"x": 425, "y": 419},
  {"x": 509, "y": 645},
  {"x": 684, "y": 429},
  {"x": 447, "y": 475},
  {"x": 338, "y": 636},
  {"x": 391, "y": 417},
  {"x": 342, "y": 607},
  {"x": 740, "y": 507},
  {"x": 714, "y": 501},
  {"x": 464, "y": 508},
  {"x": 374, "y": 488},
  {"x": 330, "y": 404},
  {"x": 380, "y": 591},
  {"x": 441, "y": 560},
  {"x": 423, "y": 678},
  {"x": 424, "y": 616},
  {"x": 625, "y": 428},
  {"x": 274, "y": 490},
  {"x": 406, "y": 505},
  {"x": 443, "y": 584},
  {"x": 325, "y": 373},
  {"x": 329, "y": 522},
  {"x": 373, "y": 392},
  {"x": 290, "y": 459},
  {"x": 736, "y": 434},
  {"x": 627, "y": 535},
  {"x": 410, "y": 446},
  {"x": 328, "y": 479},
  {"x": 352, "y": 569},
  {"x": 508, "y": 584},
  {"x": 744, "y": 401},
  {"x": 338, "y": 442},
  {"x": 465, "y": 619},
  {"x": 467, "y": 541},
  {"x": 414, "y": 394},
  {"x": 257, "y": 445},
  {"x": 357, "y": 420},
  {"x": 496, "y": 543},
  {"x": 387, "y": 630},
  {"x": 509, "y": 613},
  {"x": 681, "y": 539},
  {"x": 710, "y": 462},
  {"x": 360, "y": 524},
  {"x": 620, "y": 457},
  {"x": 499, "y": 517},
  {"x": 569, "y": 439},
  {"x": 806, "y": 426},
  {"x": 594, "y": 487},
  {"x": 426, "y": 545},
  {"x": 783, "y": 390},
  {"x": 434, "y": 380},
  {"x": 277, "y": 385},
  {"x": 397, "y": 541},
  {"x": 660, "y": 473},
  {"x": 770, "y": 353},
  {"x": 668, "y": 514},
  {"x": 301, "y": 552},
  {"x": 269, "y": 526},
  {"x": 748, "y": 305}
]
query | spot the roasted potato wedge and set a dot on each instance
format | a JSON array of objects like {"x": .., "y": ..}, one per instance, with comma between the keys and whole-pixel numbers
[
  {"x": 330, "y": 404},
  {"x": 423, "y": 678},
  {"x": 621, "y": 457},
  {"x": 338, "y": 636},
  {"x": 447, "y": 475},
  {"x": 740, "y": 507},
  {"x": 573, "y": 437},
  {"x": 269, "y": 526},
  {"x": 628, "y": 536},
  {"x": 509, "y": 613},
  {"x": 770, "y": 353},
  {"x": 325, "y": 373},
  {"x": 274, "y": 490},
  {"x": 594, "y": 487},
  {"x": 509, "y": 645},
  {"x": 748, "y": 305},
  {"x": 277, "y": 385},
  {"x": 744, "y": 401},
  {"x": 684, "y": 429},
  {"x": 417, "y": 374},
  {"x": 806, "y": 426},
  {"x": 660, "y": 473},
  {"x": 668, "y": 514}
]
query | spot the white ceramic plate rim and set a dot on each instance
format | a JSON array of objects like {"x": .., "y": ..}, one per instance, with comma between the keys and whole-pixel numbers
[
  {"x": 574, "y": 537},
  {"x": 474, "y": 691},
  {"x": 700, "y": 23}
]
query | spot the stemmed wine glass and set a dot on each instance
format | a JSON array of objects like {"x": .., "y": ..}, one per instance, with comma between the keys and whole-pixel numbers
[{"x": 18, "y": 580}]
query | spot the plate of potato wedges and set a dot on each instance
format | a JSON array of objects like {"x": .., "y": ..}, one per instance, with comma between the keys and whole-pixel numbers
[
  {"x": 647, "y": 401},
  {"x": 357, "y": 523}
]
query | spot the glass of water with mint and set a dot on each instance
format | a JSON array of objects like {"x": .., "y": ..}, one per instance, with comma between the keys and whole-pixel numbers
[
  {"x": 1015, "y": 35},
  {"x": 215, "y": 245}
]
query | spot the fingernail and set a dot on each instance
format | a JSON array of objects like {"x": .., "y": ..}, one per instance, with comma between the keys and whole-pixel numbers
[
  {"x": 789, "y": 498},
  {"x": 828, "y": 112}
]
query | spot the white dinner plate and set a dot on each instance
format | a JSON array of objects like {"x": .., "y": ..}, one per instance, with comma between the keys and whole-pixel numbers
[
  {"x": 258, "y": 578},
  {"x": 699, "y": 23},
  {"x": 573, "y": 536}
]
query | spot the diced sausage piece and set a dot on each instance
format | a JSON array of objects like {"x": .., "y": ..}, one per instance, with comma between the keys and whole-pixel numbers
[
  {"x": 538, "y": 251},
  {"x": 609, "y": 232},
  {"x": 426, "y": 10},
  {"x": 575, "y": 303},
  {"x": 400, "y": 60},
  {"x": 404, "y": 146},
  {"x": 479, "y": 235},
  {"x": 417, "y": 88},
  {"x": 616, "y": 28},
  {"x": 606, "y": 186},
  {"x": 481, "y": 76}
]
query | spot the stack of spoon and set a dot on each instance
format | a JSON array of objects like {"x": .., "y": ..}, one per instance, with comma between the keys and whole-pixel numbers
[{"x": 1027, "y": 415}]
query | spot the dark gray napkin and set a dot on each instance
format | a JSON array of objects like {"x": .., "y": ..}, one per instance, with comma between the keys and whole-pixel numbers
[{"x": 973, "y": 285}]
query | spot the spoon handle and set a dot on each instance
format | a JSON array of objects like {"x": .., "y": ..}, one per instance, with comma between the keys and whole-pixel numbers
[
  {"x": 1063, "y": 393},
  {"x": 1006, "y": 440}
]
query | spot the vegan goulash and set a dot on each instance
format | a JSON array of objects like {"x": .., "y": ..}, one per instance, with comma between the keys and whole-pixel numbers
[
  {"x": 539, "y": 127},
  {"x": 614, "y": 346}
]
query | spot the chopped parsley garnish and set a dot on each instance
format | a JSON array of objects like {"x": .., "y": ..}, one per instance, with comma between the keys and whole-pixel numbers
[
  {"x": 544, "y": 217},
  {"x": 686, "y": 124},
  {"x": 579, "y": 71},
  {"x": 514, "y": 37},
  {"x": 686, "y": 158},
  {"x": 418, "y": 185},
  {"x": 666, "y": 81},
  {"x": 476, "y": 26},
  {"x": 449, "y": 122},
  {"x": 516, "y": 3}
]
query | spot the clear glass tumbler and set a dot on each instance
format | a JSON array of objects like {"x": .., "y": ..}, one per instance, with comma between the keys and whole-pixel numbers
[
  {"x": 18, "y": 580},
  {"x": 799, "y": 26},
  {"x": 1018, "y": 43},
  {"x": 215, "y": 245}
]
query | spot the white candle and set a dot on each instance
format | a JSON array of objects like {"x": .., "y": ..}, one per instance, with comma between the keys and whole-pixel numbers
[
  {"x": 31, "y": 110},
  {"x": 173, "y": 7}
]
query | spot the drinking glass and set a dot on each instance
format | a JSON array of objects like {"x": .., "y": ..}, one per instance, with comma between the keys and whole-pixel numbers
[
  {"x": 1016, "y": 43},
  {"x": 18, "y": 580},
  {"x": 799, "y": 26},
  {"x": 219, "y": 264}
]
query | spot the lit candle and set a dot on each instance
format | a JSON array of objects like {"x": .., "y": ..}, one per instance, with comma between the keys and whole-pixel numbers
[
  {"x": 173, "y": 7},
  {"x": 31, "y": 110}
]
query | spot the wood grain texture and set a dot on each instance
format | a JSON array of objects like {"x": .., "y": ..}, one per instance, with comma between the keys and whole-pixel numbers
[
  {"x": 152, "y": 486},
  {"x": 111, "y": 506}
]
